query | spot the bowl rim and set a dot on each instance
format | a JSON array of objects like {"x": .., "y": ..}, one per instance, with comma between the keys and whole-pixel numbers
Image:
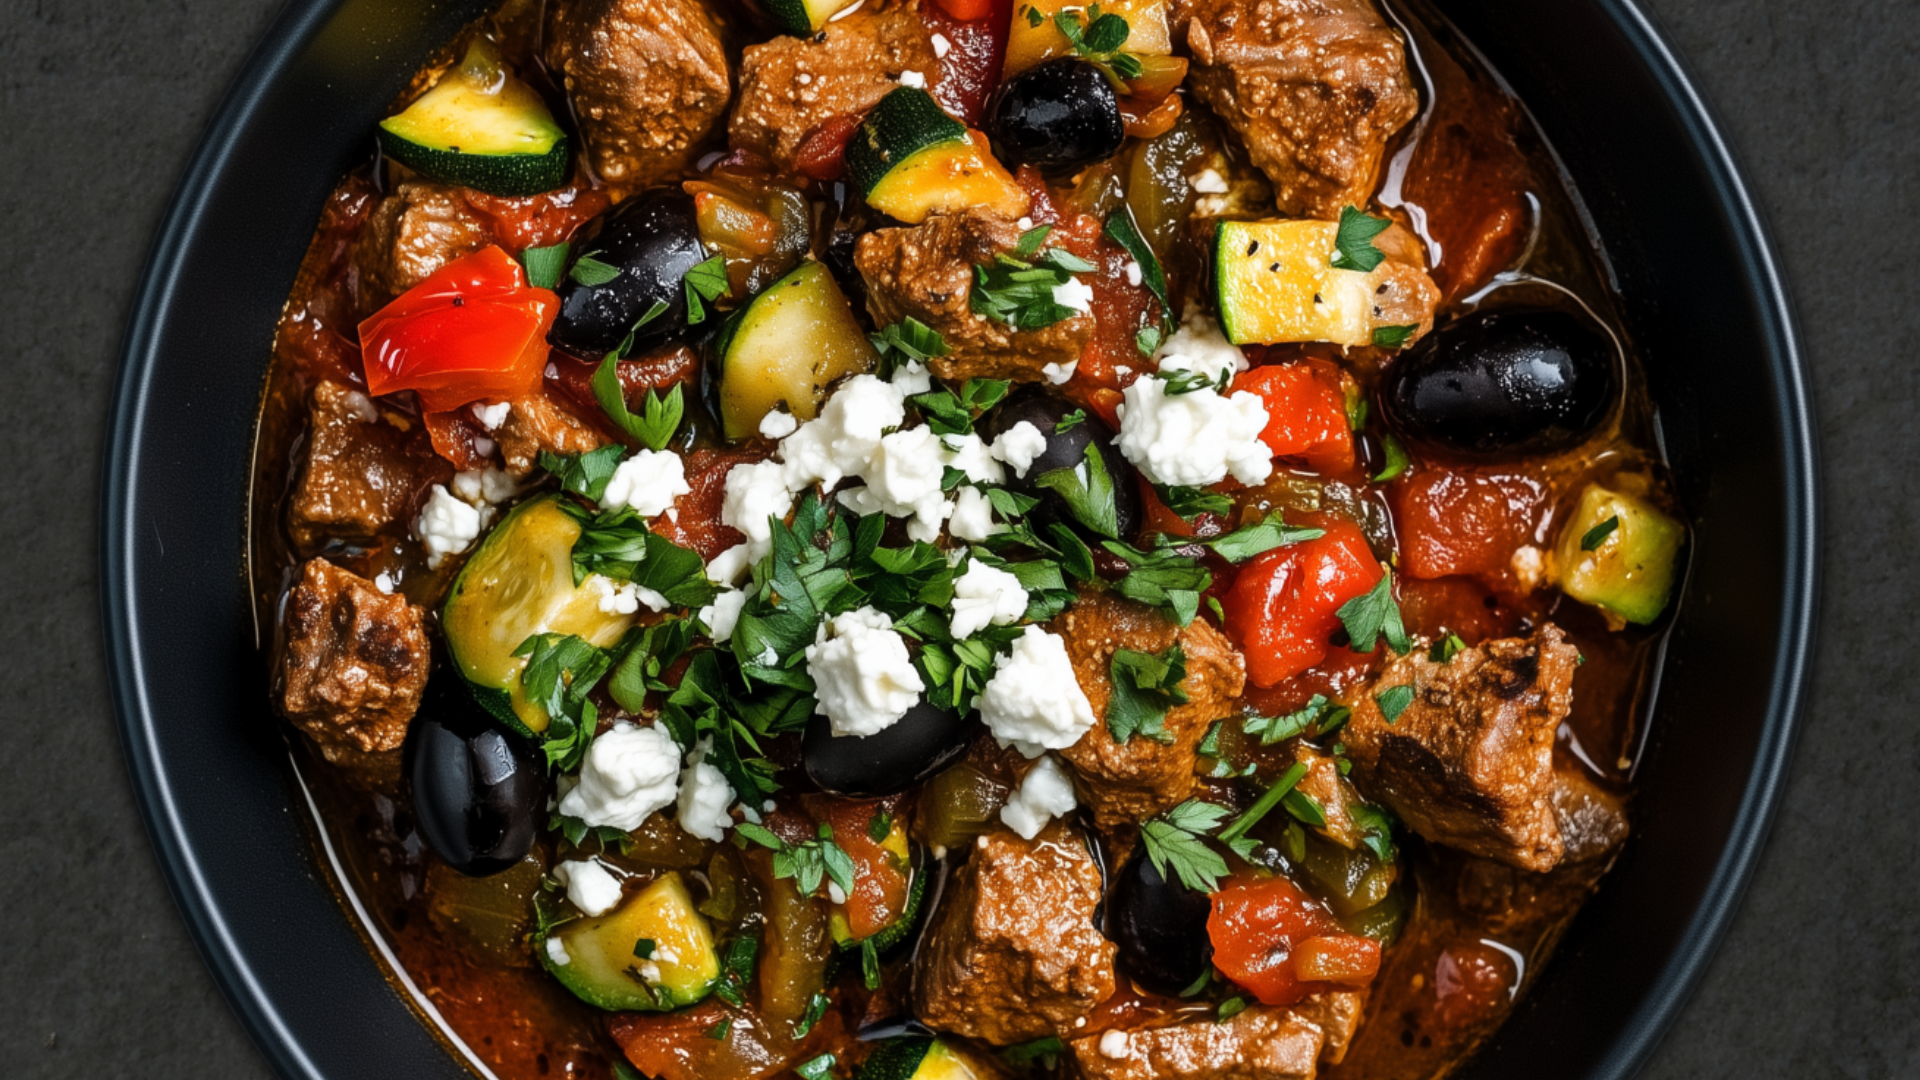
[{"x": 240, "y": 981}]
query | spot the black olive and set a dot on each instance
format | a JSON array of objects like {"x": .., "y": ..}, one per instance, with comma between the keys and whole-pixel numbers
[
  {"x": 918, "y": 745},
  {"x": 1065, "y": 450},
  {"x": 479, "y": 790},
  {"x": 1160, "y": 927},
  {"x": 652, "y": 239},
  {"x": 1059, "y": 116},
  {"x": 1504, "y": 382}
]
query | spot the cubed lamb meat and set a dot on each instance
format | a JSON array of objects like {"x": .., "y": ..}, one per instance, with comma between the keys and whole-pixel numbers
[
  {"x": 927, "y": 272},
  {"x": 355, "y": 662},
  {"x": 1012, "y": 953},
  {"x": 648, "y": 80},
  {"x": 1315, "y": 88},
  {"x": 790, "y": 87},
  {"x": 1260, "y": 1043},
  {"x": 1131, "y": 781},
  {"x": 538, "y": 422},
  {"x": 415, "y": 230},
  {"x": 1592, "y": 820},
  {"x": 1469, "y": 761},
  {"x": 362, "y": 473}
]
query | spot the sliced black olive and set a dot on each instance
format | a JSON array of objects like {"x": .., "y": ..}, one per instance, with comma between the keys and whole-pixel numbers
[
  {"x": 1504, "y": 382},
  {"x": 1065, "y": 450},
  {"x": 1160, "y": 927},
  {"x": 918, "y": 745},
  {"x": 1059, "y": 116},
  {"x": 479, "y": 790},
  {"x": 652, "y": 239}
]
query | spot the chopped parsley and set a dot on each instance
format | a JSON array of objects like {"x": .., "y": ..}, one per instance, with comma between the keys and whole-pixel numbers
[
  {"x": 1163, "y": 578},
  {"x": 1019, "y": 291},
  {"x": 617, "y": 544},
  {"x": 1373, "y": 615},
  {"x": 590, "y": 271},
  {"x": 1444, "y": 650},
  {"x": 584, "y": 474},
  {"x": 1247, "y": 541},
  {"x": 1397, "y": 459},
  {"x": 1319, "y": 715},
  {"x": 1070, "y": 421},
  {"x": 815, "y": 1068},
  {"x": 1087, "y": 489},
  {"x": 880, "y": 826},
  {"x": 808, "y": 862},
  {"x": 1045, "y": 1053},
  {"x": 1230, "y": 1008},
  {"x": 1235, "y": 835},
  {"x": 1100, "y": 42},
  {"x": 1594, "y": 537},
  {"x": 1190, "y": 502},
  {"x": 708, "y": 282},
  {"x": 561, "y": 670},
  {"x": 1145, "y": 687},
  {"x": 736, "y": 970},
  {"x": 908, "y": 339},
  {"x": 659, "y": 417},
  {"x": 1392, "y": 337},
  {"x": 816, "y": 1008},
  {"x": 1393, "y": 701},
  {"x": 545, "y": 264},
  {"x": 1175, "y": 840},
  {"x": 1125, "y": 231},
  {"x": 1353, "y": 243},
  {"x": 948, "y": 413}
]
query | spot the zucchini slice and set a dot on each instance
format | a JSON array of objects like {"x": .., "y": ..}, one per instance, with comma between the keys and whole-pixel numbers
[
  {"x": 601, "y": 960},
  {"x": 920, "y": 1057},
  {"x": 480, "y": 127},
  {"x": 803, "y": 17},
  {"x": 1626, "y": 568},
  {"x": 1274, "y": 282},
  {"x": 518, "y": 584},
  {"x": 1031, "y": 41},
  {"x": 911, "y": 160},
  {"x": 786, "y": 346}
]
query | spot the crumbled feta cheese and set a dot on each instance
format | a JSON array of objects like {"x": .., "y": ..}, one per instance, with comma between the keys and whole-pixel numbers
[
  {"x": 1529, "y": 567},
  {"x": 755, "y": 494},
  {"x": 482, "y": 445},
  {"x": 364, "y": 410},
  {"x": 970, "y": 454},
  {"x": 728, "y": 567},
  {"x": 492, "y": 416},
  {"x": 1045, "y": 794},
  {"x": 446, "y": 526},
  {"x": 985, "y": 596},
  {"x": 941, "y": 46},
  {"x": 1114, "y": 1044},
  {"x": 1198, "y": 345},
  {"x": 1025, "y": 223},
  {"x": 1074, "y": 293},
  {"x": 1033, "y": 702},
  {"x": 1018, "y": 446},
  {"x": 1058, "y": 374},
  {"x": 778, "y": 424},
  {"x": 624, "y": 597},
  {"x": 913, "y": 79},
  {"x": 903, "y": 476},
  {"x": 484, "y": 487},
  {"x": 704, "y": 798},
  {"x": 1196, "y": 438},
  {"x": 911, "y": 377},
  {"x": 648, "y": 482},
  {"x": 384, "y": 582},
  {"x": 972, "y": 518},
  {"x": 723, "y": 614},
  {"x": 1134, "y": 274},
  {"x": 1209, "y": 182},
  {"x": 557, "y": 952},
  {"x": 648, "y": 971},
  {"x": 1210, "y": 206},
  {"x": 590, "y": 886},
  {"x": 864, "y": 679},
  {"x": 553, "y": 371},
  {"x": 630, "y": 772},
  {"x": 828, "y": 449},
  {"x": 835, "y": 893}
]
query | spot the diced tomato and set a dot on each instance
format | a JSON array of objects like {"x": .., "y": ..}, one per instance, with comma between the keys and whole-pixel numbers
[
  {"x": 1280, "y": 944},
  {"x": 823, "y": 153},
  {"x": 698, "y": 525},
  {"x": 1283, "y": 608},
  {"x": 1471, "y": 981},
  {"x": 1156, "y": 517},
  {"x": 682, "y": 1045},
  {"x": 521, "y": 222},
  {"x": 880, "y": 867},
  {"x": 473, "y": 331},
  {"x": 572, "y": 380},
  {"x": 976, "y": 35},
  {"x": 1464, "y": 521},
  {"x": 1306, "y": 413}
]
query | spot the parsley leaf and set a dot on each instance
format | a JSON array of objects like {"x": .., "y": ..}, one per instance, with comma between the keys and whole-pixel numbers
[
  {"x": 707, "y": 281},
  {"x": 1174, "y": 839},
  {"x": 584, "y": 474},
  {"x": 1145, "y": 686},
  {"x": 1246, "y": 821},
  {"x": 1376, "y": 826},
  {"x": 658, "y": 419},
  {"x": 1373, "y": 615},
  {"x": 1020, "y": 293},
  {"x": 1247, "y": 541},
  {"x": 870, "y": 963},
  {"x": 808, "y": 862},
  {"x": 1163, "y": 578},
  {"x": 590, "y": 271},
  {"x": 544, "y": 264},
  {"x": 617, "y": 544},
  {"x": 948, "y": 413},
  {"x": 1444, "y": 650},
  {"x": 1191, "y": 502},
  {"x": 1397, "y": 460},
  {"x": 1353, "y": 243},
  {"x": 1392, "y": 337},
  {"x": 717, "y": 1033},
  {"x": 908, "y": 339},
  {"x": 1125, "y": 231},
  {"x": 816, "y": 1008},
  {"x": 1230, "y": 1008},
  {"x": 1319, "y": 714},
  {"x": 643, "y": 655},
  {"x": 1147, "y": 339},
  {"x": 1100, "y": 41},
  {"x": 1594, "y": 537},
  {"x": 1031, "y": 241},
  {"x": 818, "y": 1068},
  {"x": 736, "y": 970},
  {"x": 1088, "y": 491},
  {"x": 1045, "y": 1052},
  {"x": 1070, "y": 421},
  {"x": 1393, "y": 701},
  {"x": 561, "y": 670}
]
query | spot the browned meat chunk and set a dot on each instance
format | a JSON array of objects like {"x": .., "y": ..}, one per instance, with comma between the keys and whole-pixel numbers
[
  {"x": 1128, "y": 782},
  {"x": 362, "y": 473},
  {"x": 1592, "y": 820},
  {"x": 1469, "y": 762},
  {"x": 1013, "y": 954},
  {"x": 927, "y": 272},
  {"x": 538, "y": 422},
  {"x": 416, "y": 230},
  {"x": 1314, "y": 87},
  {"x": 356, "y": 661},
  {"x": 790, "y": 86},
  {"x": 648, "y": 80},
  {"x": 1261, "y": 1043}
]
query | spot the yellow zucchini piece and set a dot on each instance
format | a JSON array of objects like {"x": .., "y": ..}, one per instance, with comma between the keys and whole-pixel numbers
[
  {"x": 1631, "y": 568},
  {"x": 946, "y": 178},
  {"x": 1028, "y": 44},
  {"x": 1275, "y": 281},
  {"x": 598, "y": 958}
]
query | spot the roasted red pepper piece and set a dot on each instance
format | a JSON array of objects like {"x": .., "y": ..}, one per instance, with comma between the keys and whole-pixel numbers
[
  {"x": 1306, "y": 413},
  {"x": 1279, "y": 944},
  {"x": 1284, "y": 606},
  {"x": 473, "y": 331}
]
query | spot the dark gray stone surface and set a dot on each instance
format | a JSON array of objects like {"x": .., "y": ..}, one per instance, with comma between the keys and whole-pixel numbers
[{"x": 101, "y": 104}]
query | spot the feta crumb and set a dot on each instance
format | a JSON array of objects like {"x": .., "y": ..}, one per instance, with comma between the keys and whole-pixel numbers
[
  {"x": 591, "y": 888},
  {"x": 492, "y": 416},
  {"x": 1196, "y": 438},
  {"x": 482, "y": 445},
  {"x": 864, "y": 679},
  {"x": 911, "y": 377},
  {"x": 705, "y": 796},
  {"x": 1198, "y": 345},
  {"x": 446, "y": 526},
  {"x": 778, "y": 424},
  {"x": 913, "y": 79},
  {"x": 1134, "y": 274},
  {"x": 1209, "y": 182},
  {"x": 1045, "y": 794},
  {"x": 630, "y": 772},
  {"x": 364, "y": 410},
  {"x": 835, "y": 893},
  {"x": 1058, "y": 374},
  {"x": 756, "y": 493},
  {"x": 985, "y": 596},
  {"x": 625, "y": 597},
  {"x": 484, "y": 487},
  {"x": 904, "y": 475},
  {"x": 723, "y": 614},
  {"x": 557, "y": 952},
  {"x": 1025, "y": 223},
  {"x": 728, "y": 567},
  {"x": 1034, "y": 702},
  {"x": 1019, "y": 445},
  {"x": 1114, "y": 1044},
  {"x": 970, "y": 454},
  {"x": 836, "y": 445},
  {"x": 1074, "y": 293},
  {"x": 384, "y": 582},
  {"x": 1210, "y": 206},
  {"x": 1529, "y": 565},
  {"x": 972, "y": 518},
  {"x": 648, "y": 482},
  {"x": 648, "y": 971}
]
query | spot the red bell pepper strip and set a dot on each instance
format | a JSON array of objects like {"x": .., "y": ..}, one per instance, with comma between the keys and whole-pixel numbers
[
  {"x": 1280, "y": 945},
  {"x": 1306, "y": 414},
  {"x": 472, "y": 331},
  {"x": 1284, "y": 606}
]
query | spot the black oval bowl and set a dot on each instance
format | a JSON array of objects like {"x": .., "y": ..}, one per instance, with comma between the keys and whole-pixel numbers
[{"x": 1700, "y": 293}]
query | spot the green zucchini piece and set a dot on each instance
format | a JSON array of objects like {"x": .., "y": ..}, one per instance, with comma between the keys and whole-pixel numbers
[
  {"x": 920, "y": 1057},
  {"x": 1627, "y": 567},
  {"x": 518, "y": 584},
  {"x": 803, "y": 17},
  {"x": 599, "y": 958},
  {"x": 480, "y": 127},
  {"x": 904, "y": 123},
  {"x": 896, "y": 931},
  {"x": 910, "y": 160},
  {"x": 786, "y": 346}
]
